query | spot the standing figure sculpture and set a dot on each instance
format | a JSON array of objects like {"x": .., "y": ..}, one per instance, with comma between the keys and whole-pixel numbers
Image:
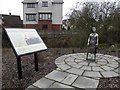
[{"x": 92, "y": 43}]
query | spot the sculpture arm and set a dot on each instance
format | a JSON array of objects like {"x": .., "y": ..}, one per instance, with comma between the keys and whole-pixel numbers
[
  {"x": 97, "y": 39},
  {"x": 88, "y": 41}
]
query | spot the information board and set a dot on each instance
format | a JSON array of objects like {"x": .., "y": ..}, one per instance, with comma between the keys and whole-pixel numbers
[{"x": 25, "y": 41}]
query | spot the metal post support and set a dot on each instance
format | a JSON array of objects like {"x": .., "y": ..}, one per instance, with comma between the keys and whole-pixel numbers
[
  {"x": 36, "y": 61},
  {"x": 19, "y": 67}
]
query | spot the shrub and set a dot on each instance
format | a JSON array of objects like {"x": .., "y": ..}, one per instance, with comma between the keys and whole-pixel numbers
[
  {"x": 117, "y": 45},
  {"x": 103, "y": 46},
  {"x": 113, "y": 48}
]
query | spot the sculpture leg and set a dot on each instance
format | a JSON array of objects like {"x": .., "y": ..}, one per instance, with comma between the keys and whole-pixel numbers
[
  {"x": 87, "y": 56},
  {"x": 95, "y": 53},
  {"x": 94, "y": 56}
]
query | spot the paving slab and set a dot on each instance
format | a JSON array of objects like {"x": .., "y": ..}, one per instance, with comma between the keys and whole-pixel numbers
[
  {"x": 111, "y": 62},
  {"x": 58, "y": 69},
  {"x": 84, "y": 63},
  {"x": 57, "y": 75},
  {"x": 117, "y": 70},
  {"x": 94, "y": 64},
  {"x": 75, "y": 71},
  {"x": 71, "y": 63},
  {"x": 43, "y": 83},
  {"x": 97, "y": 69},
  {"x": 92, "y": 74},
  {"x": 109, "y": 74},
  {"x": 81, "y": 55},
  {"x": 107, "y": 68},
  {"x": 70, "y": 79},
  {"x": 84, "y": 82},
  {"x": 108, "y": 56},
  {"x": 74, "y": 55},
  {"x": 113, "y": 65},
  {"x": 78, "y": 60},
  {"x": 31, "y": 87},
  {"x": 86, "y": 68},
  {"x": 102, "y": 62},
  {"x": 60, "y": 61},
  {"x": 63, "y": 86},
  {"x": 63, "y": 66},
  {"x": 116, "y": 58},
  {"x": 77, "y": 66}
]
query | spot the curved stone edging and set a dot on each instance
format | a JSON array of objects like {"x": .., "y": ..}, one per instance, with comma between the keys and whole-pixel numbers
[{"x": 104, "y": 66}]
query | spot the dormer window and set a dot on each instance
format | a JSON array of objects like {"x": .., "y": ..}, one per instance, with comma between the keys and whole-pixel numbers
[{"x": 44, "y": 3}]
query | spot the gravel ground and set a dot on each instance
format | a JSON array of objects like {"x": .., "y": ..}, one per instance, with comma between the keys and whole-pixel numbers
[{"x": 46, "y": 65}]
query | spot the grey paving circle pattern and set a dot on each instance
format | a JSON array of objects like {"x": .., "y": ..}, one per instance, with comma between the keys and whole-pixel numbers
[
  {"x": 104, "y": 66},
  {"x": 75, "y": 72}
]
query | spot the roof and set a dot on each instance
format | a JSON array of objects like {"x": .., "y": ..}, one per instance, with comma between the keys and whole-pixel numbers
[
  {"x": 11, "y": 19},
  {"x": 36, "y": 1},
  {"x": 57, "y": 1},
  {"x": 30, "y": 1}
]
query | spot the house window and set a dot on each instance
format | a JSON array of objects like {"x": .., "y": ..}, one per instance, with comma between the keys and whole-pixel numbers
[
  {"x": 44, "y": 26},
  {"x": 44, "y": 4},
  {"x": 30, "y": 17},
  {"x": 30, "y": 5},
  {"x": 45, "y": 16}
]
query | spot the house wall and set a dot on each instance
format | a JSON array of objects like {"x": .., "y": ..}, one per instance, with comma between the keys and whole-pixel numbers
[
  {"x": 30, "y": 11},
  {"x": 30, "y": 25},
  {"x": 56, "y": 27},
  {"x": 44, "y": 9},
  {"x": 54, "y": 6},
  {"x": 0, "y": 22},
  {"x": 57, "y": 13},
  {"x": 48, "y": 23}
]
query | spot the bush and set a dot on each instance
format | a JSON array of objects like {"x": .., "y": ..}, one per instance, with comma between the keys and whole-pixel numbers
[
  {"x": 103, "y": 46},
  {"x": 65, "y": 42},
  {"x": 114, "y": 47},
  {"x": 117, "y": 45}
]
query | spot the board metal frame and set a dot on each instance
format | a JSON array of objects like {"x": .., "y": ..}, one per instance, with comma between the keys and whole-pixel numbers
[{"x": 19, "y": 56}]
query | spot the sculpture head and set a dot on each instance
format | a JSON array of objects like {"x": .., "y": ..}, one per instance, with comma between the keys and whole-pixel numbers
[{"x": 93, "y": 29}]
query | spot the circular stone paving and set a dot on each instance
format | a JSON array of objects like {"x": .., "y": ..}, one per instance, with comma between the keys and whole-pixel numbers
[
  {"x": 75, "y": 72},
  {"x": 104, "y": 66}
]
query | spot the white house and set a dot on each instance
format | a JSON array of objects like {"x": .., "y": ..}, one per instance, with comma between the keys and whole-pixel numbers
[
  {"x": 1, "y": 20},
  {"x": 43, "y": 14}
]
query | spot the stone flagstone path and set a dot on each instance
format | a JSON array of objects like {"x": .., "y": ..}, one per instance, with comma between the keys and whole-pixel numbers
[{"x": 75, "y": 72}]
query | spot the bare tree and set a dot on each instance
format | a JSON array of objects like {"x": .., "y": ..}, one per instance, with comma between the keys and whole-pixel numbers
[{"x": 103, "y": 15}]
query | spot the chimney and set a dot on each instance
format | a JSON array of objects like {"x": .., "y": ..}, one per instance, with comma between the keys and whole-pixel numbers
[{"x": 10, "y": 13}]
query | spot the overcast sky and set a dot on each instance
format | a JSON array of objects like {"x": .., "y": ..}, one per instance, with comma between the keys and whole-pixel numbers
[{"x": 16, "y": 7}]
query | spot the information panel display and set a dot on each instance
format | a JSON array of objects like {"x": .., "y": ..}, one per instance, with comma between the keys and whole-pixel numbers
[{"x": 25, "y": 41}]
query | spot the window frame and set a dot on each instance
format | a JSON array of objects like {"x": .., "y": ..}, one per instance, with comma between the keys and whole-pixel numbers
[
  {"x": 31, "y": 17},
  {"x": 44, "y": 3},
  {"x": 31, "y": 5},
  {"x": 45, "y": 16}
]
